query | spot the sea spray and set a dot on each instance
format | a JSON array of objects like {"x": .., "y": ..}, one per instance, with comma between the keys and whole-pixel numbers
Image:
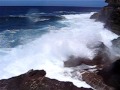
[{"x": 49, "y": 51}]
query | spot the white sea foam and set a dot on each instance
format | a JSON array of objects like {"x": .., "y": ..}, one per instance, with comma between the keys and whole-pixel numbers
[{"x": 50, "y": 50}]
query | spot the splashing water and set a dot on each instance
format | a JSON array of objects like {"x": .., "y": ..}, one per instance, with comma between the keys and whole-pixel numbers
[{"x": 49, "y": 51}]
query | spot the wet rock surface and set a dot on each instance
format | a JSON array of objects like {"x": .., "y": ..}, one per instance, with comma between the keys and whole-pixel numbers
[
  {"x": 111, "y": 75},
  {"x": 36, "y": 80},
  {"x": 112, "y": 2},
  {"x": 104, "y": 77},
  {"x": 110, "y": 15},
  {"x": 102, "y": 57},
  {"x": 105, "y": 74},
  {"x": 95, "y": 80}
]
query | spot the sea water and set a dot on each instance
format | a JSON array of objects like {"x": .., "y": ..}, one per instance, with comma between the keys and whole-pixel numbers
[{"x": 44, "y": 39}]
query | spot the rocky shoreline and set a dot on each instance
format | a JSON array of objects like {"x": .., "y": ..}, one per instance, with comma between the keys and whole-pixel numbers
[
  {"x": 105, "y": 77},
  {"x": 110, "y": 15},
  {"x": 36, "y": 80}
]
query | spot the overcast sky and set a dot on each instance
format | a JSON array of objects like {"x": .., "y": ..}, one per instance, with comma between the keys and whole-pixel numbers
[{"x": 89, "y": 3}]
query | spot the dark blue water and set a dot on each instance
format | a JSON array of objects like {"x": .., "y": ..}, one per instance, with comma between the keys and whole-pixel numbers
[
  {"x": 17, "y": 10},
  {"x": 29, "y": 22},
  {"x": 30, "y": 17}
]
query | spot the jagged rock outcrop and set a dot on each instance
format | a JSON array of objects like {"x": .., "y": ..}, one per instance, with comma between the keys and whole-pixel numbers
[
  {"x": 36, "y": 80},
  {"x": 111, "y": 75},
  {"x": 96, "y": 81},
  {"x": 113, "y": 2},
  {"x": 102, "y": 57},
  {"x": 116, "y": 46},
  {"x": 110, "y": 15}
]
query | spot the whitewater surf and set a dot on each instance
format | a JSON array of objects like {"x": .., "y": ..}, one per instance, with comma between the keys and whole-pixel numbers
[{"x": 49, "y": 50}]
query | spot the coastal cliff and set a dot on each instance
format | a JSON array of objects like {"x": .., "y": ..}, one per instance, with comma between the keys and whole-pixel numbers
[{"x": 110, "y": 15}]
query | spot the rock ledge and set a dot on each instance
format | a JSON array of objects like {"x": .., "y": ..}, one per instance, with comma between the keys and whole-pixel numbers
[{"x": 36, "y": 80}]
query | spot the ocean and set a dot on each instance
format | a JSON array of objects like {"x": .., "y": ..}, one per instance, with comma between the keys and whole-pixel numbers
[{"x": 33, "y": 37}]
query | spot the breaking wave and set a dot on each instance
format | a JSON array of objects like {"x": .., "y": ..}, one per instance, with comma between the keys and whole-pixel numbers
[{"x": 49, "y": 51}]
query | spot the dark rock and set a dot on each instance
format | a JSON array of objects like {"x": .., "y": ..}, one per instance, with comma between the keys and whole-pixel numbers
[
  {"x": 113, "y": 22},
  {"x": 103, "y": 15},
  {"x": 76, "y": 61},
  {"x": 95, "y": 81},
  {"x": 113, "y": 2},
  {"x": 36, "y": 80},
  {"x": 116, "y": 42},
  {"x": 111, "y": 74},
  {"x": 95, "y": 16},
  {"x": 116, "y": 45},
  {"x": 103, "y": 55},
  {"x": 110, "y": 15},
  {"x": 101, "y": 58},
  {"x": 116, "y": 48}
]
